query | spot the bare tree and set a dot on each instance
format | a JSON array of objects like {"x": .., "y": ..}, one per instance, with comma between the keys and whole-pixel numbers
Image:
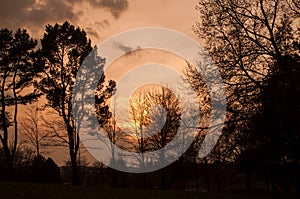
[
  {"x": 35, "y": 132},
  {"x": 166, "y": 118},
  {"x": 244, "y": 39},
  {"x": 139, "y": 118},
  {"x": 155, "y": 117},
  {"x": 247, "y": 40}
]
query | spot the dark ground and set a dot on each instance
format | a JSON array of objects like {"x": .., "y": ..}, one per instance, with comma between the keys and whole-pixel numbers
[{"x": 46, "y": 191}]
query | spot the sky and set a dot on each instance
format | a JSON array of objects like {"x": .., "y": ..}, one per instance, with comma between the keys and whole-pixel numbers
[{"x": 102, "y": 19}]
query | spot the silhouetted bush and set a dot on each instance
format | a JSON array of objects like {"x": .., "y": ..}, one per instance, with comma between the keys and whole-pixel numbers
[{"x": 44, "y": 170}]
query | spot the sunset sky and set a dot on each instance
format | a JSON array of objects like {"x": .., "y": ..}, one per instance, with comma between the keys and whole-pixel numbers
[{"x": 102, "y": 19}]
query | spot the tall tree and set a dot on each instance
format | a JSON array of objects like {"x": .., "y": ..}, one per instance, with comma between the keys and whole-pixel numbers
[
  {"x": 18, "y": 72},
  {"x": 244, "y": 39},
  {"x": 155, "y": 115},
  {"x": 64, "y": 49},
  {"x": 165, "y": 114},
  {"x": 247, "y": 40},
  {"x": 276, "y": 126}
]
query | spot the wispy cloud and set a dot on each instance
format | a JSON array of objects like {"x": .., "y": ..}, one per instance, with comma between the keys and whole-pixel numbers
[{"x": 127, "y": 49}]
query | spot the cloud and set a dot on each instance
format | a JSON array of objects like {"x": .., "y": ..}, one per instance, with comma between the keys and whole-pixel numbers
[
  {"x": 103, "y": 24},
  {"x": 92, "y": 29},
  {"x": 128, "y": 50},
  {"x": 37, "y": 13},
  {"x": 92, "y": 32},
  {"x": 124, "y": 48},
  {"x": 116, "y": 7},
  {"x": 15, "y": 13}
]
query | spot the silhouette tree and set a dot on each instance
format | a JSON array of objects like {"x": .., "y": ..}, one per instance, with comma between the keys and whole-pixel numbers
[
  {"x": 114, "y": 133},
  {"x": 106, "y": 118},
  {"x": 18, "y": 72},
  {"x": 276, "y": 126},
  {"x": 155, "y": 117},
  {"x": 165, "y": 119},
  {"x": 64, "y": 49},
  {"x": 34, "y": 129},
  {"x": 138, "y": 120},
  {"x": 245, "y": 39}
]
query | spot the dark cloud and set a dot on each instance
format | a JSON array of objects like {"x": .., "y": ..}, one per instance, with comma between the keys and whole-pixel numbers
[
  {"x": 92, "y": 32},
  {"x": 93, "y": 29},
  {"x": 116, "y": 7},
  {"x": 15, "y": 13},
  {"x": 54, "y": 10},
  {"x": 30, "y": 13}
]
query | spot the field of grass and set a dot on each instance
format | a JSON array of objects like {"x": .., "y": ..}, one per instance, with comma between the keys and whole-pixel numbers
[{"x": 48, "y": 191}]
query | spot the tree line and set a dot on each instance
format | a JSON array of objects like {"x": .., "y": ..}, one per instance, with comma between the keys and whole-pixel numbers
[
  {"x": 29, "y": 71},
  {"x": 255, "y": 45}
]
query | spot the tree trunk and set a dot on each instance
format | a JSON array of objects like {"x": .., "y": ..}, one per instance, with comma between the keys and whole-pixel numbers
[
  {"x": 274, "y": 184},
  {"x": 9, "y": 168},
  {"x": 73, "y": 149},
  {"x": 298, "y": 182},
  {"x": 144, "y": 180},
  {"x": 207, "y": 175},
  {"x": 4, "y": 139},
  {"x": 219, "y": 176},
  {"x": 163, "y": 185},
  {"x": 268, "y": 182},
  {"x": 248, "y": 181},
  {"x": 75, "y": 176}
]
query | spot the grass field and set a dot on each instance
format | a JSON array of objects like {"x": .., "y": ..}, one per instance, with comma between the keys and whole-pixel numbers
[{"x": 46, "y": 191}]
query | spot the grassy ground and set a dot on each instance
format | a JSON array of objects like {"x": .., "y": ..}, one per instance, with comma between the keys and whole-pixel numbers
[{"x": 46, "y": 191}]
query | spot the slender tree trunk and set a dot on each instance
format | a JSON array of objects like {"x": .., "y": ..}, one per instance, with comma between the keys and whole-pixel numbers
[
  {"x": 144, "y": 173},
  {"x": 219, "y": 167},
  {"x": 268, "y": 181},
  {"x": 207, "y": 175},
  {"x": 273, "y": 184},
  {"x": 10, "y": 168},
  {"x": 76, "y": 180},
  {"x": 197, "y": 182},
  {"x": 248, "y": 181},
  {"x": 73, "y": 149},
  {"x": 4, "y": 139},
  {"x": 183, "y": 178},
  {"x": 219, "y": 177},
  {"x": 174, "y": 175},
  {"x": 298, "y": 182},
  {"x": 10, "y": 153},
  {"x": 143, "y": 156},
  {"x": 15, "y": 142},
  {"x": 163, "y": 185},
  {"x": 37, "y": 136}
]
